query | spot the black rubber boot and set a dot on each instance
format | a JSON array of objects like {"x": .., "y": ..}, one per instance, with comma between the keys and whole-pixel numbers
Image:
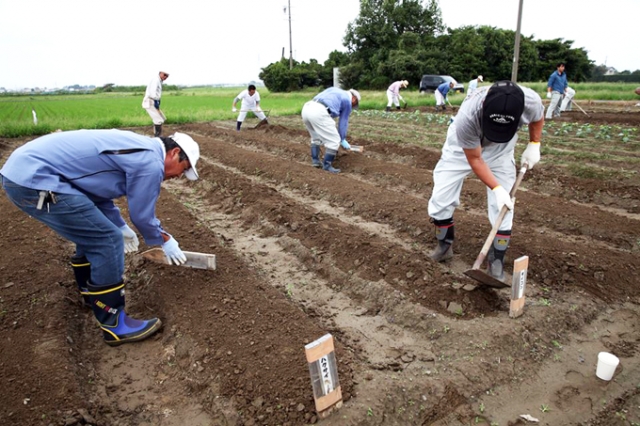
[
  {"x": 329, "y": 158},
  {"x": 238, "y": 125},
  {"x": 398, "y": 107},
  {"x": 445, "y": 233},
  {"x": 157, "y": 130},
  {"x": 388, "y": 109},
  {"x": 118, "y": 328},
  {"x": 82, "y": 272},
  {"x": 315, "y": 156},
  {"x": 495, "y": 255}
]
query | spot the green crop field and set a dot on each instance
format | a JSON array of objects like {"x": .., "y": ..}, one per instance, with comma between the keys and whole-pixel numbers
[{"x": 188, "y": 105}]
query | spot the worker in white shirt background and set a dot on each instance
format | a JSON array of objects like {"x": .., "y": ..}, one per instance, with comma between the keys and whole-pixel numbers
[
  {"x": 151, "y": 102},
  {"x": 566, "y": 100},
  {"x": 250, "y": 102},
  {"x": 473, "y": 85}
]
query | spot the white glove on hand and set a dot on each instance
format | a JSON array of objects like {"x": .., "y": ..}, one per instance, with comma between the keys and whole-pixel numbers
[
  {"x": 531, "y": 155},
  {"x": 131, "y": 242},
  {"x": 258, "y": 109},
  {"x": 173, "y": 252},
  {"x": 345, "y": 144},
  {"x": 502, "y": 198},
  {"x": 548, "y": 95},
  {"x": 234, "y": 109}
]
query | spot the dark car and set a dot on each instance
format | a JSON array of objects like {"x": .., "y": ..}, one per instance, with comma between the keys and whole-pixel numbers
[{"x": 430, "y": 83}]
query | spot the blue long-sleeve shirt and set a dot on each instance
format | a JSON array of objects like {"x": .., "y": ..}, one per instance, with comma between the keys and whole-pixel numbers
[
  {"x": 87, "y": 162},
  {"x": 338, "y": 102},
  {"x": 558, "y": 82},
  {"x": 444, "y": 89}
]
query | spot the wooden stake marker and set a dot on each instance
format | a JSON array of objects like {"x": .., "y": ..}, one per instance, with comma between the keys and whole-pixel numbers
[
  {"x": 518, "y": 285},
  {"x": 324, "y": 375}
]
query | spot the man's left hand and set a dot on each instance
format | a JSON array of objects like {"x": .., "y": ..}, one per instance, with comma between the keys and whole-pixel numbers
[
  {"x": 130, "y": 238},
  {"x": 156, "y": 103},
  {"x": 345, "y": 144},
  {"x": 531, "y": 155}
]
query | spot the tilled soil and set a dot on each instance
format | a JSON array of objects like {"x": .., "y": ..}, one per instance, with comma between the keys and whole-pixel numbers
[{"x": 302, "y": 253}]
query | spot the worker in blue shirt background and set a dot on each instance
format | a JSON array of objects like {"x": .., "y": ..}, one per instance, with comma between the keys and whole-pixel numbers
[
  {"x": 68, "y": 181},
  {"x": 318, "y": 117},
  {"x": 556, "y": 88},
  {"x": 441, "y": 94}
]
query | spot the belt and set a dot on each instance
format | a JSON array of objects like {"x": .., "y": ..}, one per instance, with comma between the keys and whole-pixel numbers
[{"x": 322, "y": 103}]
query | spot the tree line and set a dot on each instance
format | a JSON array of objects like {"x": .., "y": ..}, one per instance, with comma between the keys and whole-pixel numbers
[{"x": 404, "y": 39}]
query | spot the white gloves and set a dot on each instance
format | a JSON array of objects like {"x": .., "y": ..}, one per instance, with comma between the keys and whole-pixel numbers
[
  {"x": 548, "y": 95},
  {"x": 258, "y": 109},
  {"x": 173, "y": 252},
  {"x": 234, "y": 109},
  {"x": 345, "y": 144},
  {"x": 531, "y": 155},
  {"x": 502, "y": 197},
  {"x": 130, "y": 239}
]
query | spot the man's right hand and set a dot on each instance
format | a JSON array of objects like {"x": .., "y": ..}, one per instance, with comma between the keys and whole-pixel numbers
[
  {"x": 502, "y": 198},
  {"x": 234, "y": 109},
  {"x": 172, "y": 251},
  {"x": 548, "y": 95}
]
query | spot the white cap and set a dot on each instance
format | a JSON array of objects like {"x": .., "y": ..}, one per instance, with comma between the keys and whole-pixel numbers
[
  {"x": 191, "y": 149},
  {"x": 480, "y": 78},
  {"x": 356, "y": 94}
]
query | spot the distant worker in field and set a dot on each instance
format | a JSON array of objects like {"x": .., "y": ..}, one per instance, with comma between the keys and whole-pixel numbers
[
  {"x": 68, "y": 181},
  {"x": 441, "y": 94},
  {"x": 482, "y": 140},
  {"x": 556, "y": 89},
  {"x": 318, "y": 117},
  {"x": 393, "y": 93},
  {"x": 250, "y": 102},
  {"x": 473, "y": 85},
  {"x": 567, "y": 99},
  {"x": 151, "y": 102}
]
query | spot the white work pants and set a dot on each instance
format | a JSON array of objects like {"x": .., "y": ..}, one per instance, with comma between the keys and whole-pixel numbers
[
  {"x": 156, "y": 115},
  {"x": 554, "y": 106},
  {"x": 393, "y": 98},
  {"x": 321, "y": 126},
  {"x": 243, "y": 114},
  {"x": 439, "y": 98},
  {"x": 566, "y": 100},
  {"x": 453, "y": 168}
]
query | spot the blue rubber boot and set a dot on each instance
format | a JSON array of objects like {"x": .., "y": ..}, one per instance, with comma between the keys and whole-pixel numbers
[
  {"x": 329, "y": 158},
  {"x": 315, "y": 156},
  {"x": 82, "y": 272},
  {"x": 118, "y": 328}
]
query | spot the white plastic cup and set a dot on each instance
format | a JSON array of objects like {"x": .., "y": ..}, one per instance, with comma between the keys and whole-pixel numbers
[{"x": 607, "y": 364}]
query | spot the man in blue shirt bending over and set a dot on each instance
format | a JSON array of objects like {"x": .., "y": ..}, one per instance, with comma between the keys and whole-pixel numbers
[
  {"x": 318, "y": 115},
  {"x": 556, "y": 88},
  {"x": 68, "y": 181},
  {"x": 441, "y": 94}
]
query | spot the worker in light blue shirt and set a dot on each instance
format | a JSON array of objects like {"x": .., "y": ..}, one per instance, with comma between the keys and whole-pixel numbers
[
  {"x": 556, "y": 88},
  {"x": 441, "y": 94},
  {"x": 318, "y": 117},
  {"x": 68, "y": 181}
]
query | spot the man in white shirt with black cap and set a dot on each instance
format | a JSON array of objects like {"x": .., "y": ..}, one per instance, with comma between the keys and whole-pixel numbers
[{"x": 482, "y": 140}]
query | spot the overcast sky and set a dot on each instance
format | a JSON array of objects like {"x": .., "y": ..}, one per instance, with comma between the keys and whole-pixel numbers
[{"x": 54, "y": 43}]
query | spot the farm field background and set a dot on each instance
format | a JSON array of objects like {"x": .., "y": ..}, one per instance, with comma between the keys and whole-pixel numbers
[
  {"x": 197, "y": 105},
  {"x": 302, "y": 252}
]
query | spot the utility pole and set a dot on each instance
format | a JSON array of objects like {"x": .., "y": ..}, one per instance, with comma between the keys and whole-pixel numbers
[
  {"x": 516, "y": 48},
  {"x": 290, "y": 43}
]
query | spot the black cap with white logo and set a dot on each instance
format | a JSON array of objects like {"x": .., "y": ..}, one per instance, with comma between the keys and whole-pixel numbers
[{"x": 501, "y": 111}]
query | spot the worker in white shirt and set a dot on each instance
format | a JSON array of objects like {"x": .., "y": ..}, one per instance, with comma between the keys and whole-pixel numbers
[
  {"x": 250, "y": 102},
  {"x": 151, "y": 102}
]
